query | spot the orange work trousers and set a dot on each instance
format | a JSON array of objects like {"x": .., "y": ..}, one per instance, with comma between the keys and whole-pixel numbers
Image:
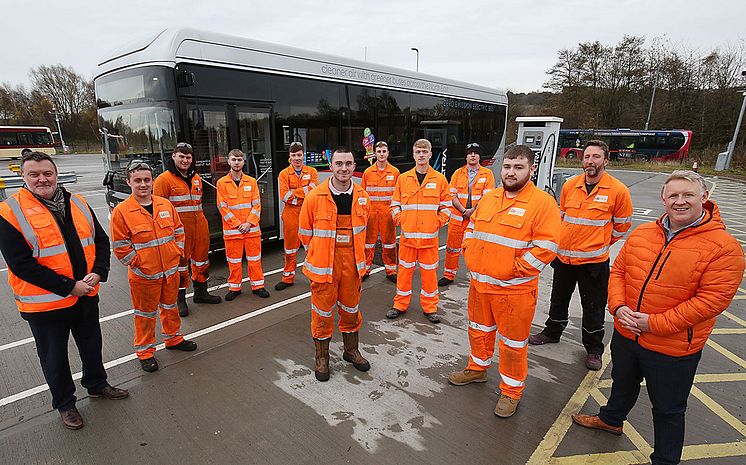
[
  {"x": 380, "y": 222},
  {"x": 343, "y": 293},
  {"x": 290, "y": 225},
  {"x": 453, "y": 247},
  {"x": 427, "y": 258},
  {"x": 507, "y": 317},
  {"x": 149, "y": 296},
  {"x": 234, "y": 252},
  {"x": 196, "y": 246}
]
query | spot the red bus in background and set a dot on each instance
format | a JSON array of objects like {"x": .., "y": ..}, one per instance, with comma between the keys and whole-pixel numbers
[
  {"x": 629, "y": 144},
  {"x": 13, "y": 139}
]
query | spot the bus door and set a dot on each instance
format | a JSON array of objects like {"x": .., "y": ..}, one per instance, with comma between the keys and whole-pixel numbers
[{"x": 254, "y": 141}]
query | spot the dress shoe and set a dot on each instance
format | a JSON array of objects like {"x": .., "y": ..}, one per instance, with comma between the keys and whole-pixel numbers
[
  {"x": 232, "y": 295},
  {"x": 71, "y": 419},
  {"x": 444, "y": 282},
  {"x": 393, "y": 313},
  {"x": 186, "y": 346},
  {"x": 593, "y": 362},
  {"x": 593, "y": 422},
  {"x": 110, "y": 392},
  {"x": 539, "y": 339},
  {"x": 282, "y": 285},
  {"x": 462, "y": 378},
  {"x": 391, "y": 277},
  {"x": 149, "y": 364},
  {"x": 433, "y": 317},
  {"x": 506, "y": 406},
  {"x": 261, "y": 292}
]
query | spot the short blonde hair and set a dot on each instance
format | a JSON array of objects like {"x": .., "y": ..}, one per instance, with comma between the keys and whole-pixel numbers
[
  {"x": 686, "y": 175},
  {"x": 423, "y": 144}
]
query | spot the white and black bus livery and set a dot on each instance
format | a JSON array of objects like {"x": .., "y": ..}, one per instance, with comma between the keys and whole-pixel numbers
[{"x": 219, "y": 92}]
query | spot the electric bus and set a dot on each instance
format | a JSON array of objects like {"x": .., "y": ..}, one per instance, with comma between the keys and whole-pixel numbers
[
  {"x": 629, "y": 144},
  {"x": 219, "y": 92}
]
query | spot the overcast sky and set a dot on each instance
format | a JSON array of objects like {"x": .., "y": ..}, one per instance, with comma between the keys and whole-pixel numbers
[{"x": 502, "y": 44}]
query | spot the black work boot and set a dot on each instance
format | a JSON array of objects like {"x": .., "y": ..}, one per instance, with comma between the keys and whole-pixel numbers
[
  {"x": 352, "y": 354},
  {"x": 181, "y": 303},
  {"x": 201, "y": 296},
  {"x": 322, "y": 359}
]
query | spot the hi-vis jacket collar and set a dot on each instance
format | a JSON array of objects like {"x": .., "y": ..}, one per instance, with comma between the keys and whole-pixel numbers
[
  {"x": 524, "y": 196},
  {"x": 603, "y": 183}
]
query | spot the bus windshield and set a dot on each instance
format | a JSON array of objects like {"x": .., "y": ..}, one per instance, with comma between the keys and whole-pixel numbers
[{"x": 143, "y": 133}]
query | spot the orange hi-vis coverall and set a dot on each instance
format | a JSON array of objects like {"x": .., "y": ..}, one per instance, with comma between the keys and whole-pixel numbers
[
  {"x": 507, "y": 244},
  {"x": 335, "y": 262},
  {"x": 239, "y": 204},
  {"x": 421, "y": 210},
  {"x": 592, "y": 222},
  {"x": 293, "y": 190},
  {"x": 151, "y": 246},
  {"x": 380, "y": 184},
  {"x": 483, "y": 182},
  {"x": 186, "y": 198}
]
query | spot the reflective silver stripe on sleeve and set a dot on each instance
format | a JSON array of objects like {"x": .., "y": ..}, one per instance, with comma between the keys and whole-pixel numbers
[
  {"x": 239, "y": 206},
  {"x": 287, "y": 196},
  {"x": 585, "y": 221},
  {"x": 254, "y": 212},
  {"x": 127, "y": 259},
  {"x": 549, "y": 245},
  {"x": 305, "y": 232},
  {"x": 255, "y": 202},
  {"x": 588, "y": 254},
  {"x": 358, "y": 229},
  {"x": 421, "y": 207},
  {"x": 179, "y": 230},
  {"x": 324, "y": 233},
  {"x": 179, "y": 244},
  {"x": 361, "y": 266},
  {"x": 229, "y": 216},
  {"x": 180, "y": 198},
  {"x": 483, "y": 278},
  {"x": 498, "y": 239},
  {"x": 123, "y": 243},
  {"x": 533, "y": 261},
  {"x": 231, "y": 232},
  {"x": 617, "y": 234},
  {"x": 622, "y": 220}
]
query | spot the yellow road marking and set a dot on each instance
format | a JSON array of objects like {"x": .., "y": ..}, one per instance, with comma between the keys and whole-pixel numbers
[
  {"x": 632, "y": 434},
  {"x": 706, "y": 451},
  {"x": 690, "y": 452},
  {"x": 558, "y": 430},
  {"x": 727, "y": 353},
  {"x": 729, "y": 331},
  {"x": 734, "y": 317},
  {"x": 718, "y": 410}
]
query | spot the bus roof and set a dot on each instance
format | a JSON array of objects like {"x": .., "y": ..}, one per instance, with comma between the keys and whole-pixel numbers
[
  {"x": 623, "y": 132},
  {"x": 185, "y": 45},
  {"x": 25, "y": 128}
]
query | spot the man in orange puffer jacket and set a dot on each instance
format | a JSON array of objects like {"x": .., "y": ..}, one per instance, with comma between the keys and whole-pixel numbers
[{"x": 668, "y": 284}]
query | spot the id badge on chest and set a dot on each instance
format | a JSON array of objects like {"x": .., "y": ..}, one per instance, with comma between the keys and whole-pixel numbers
[{"x": 343, "y": 238}]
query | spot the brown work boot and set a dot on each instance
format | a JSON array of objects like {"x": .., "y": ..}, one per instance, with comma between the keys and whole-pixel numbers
[
  {"x": 322, "y": 359},
  {"x": 593, "y": 422},
  {"x": 352, "y": 354},
  {"x": 540, "y": 339},
  {"x": 461, "y": 378},
  {"x": 593, "y": 362},
  {"x": 71, "y": 419},
  {"x": 506, "y": 406}
]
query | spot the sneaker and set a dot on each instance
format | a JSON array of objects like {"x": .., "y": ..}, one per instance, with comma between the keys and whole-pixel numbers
[
  {"x": 186, "y": 346},
  {"x": 433, "y": 317},
  {"x": 462, "y": 378},
  {"x": 261, "y": 292},
  {"x": 593, "y": 362},
  {"x": 541, "y": 339},
  {"x": 506, "y": 406},
  {"x": 444, "y": 281},
  {"x": 232, "y": 295},
  {"x": 593, "y": 422},
  {"x": 365, "y": 277},
  {"x": 393, "y": 313},
  {"x": 391, "y": 277},
  {"x": 282, "y": 285},
  {"x": 149, "y": 364}
]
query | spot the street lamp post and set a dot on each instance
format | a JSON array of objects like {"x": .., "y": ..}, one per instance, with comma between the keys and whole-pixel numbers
[
  {"x": 417, "y": 51},
  {"x": 732, "y": 145},
  {"x": 59, "y": 128},
  {"x": 652, "y": 99}
]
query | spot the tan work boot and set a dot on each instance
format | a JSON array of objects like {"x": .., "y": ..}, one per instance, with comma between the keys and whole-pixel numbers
[
  {"x": 352, "y": 354},
  {"x": 506, "y": 406},
  {"x": 322, "y": 359},
  {"x": 460, "y": 378}
]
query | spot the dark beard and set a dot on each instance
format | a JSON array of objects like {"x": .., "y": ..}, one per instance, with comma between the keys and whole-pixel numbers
[{"x": 515, "y": 187}]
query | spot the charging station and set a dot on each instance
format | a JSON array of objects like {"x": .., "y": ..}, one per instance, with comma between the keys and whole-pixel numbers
[{"x": 541, "y": 135}]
